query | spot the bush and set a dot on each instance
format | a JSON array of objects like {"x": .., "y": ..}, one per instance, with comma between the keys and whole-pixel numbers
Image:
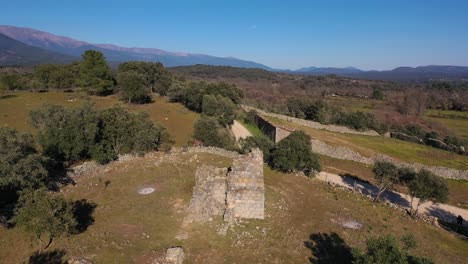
[
  {"x": 121, "y": 132},
  {"x": 219, "y": 107},
  {"x": 191, "y": 95},
  {"x": 21, "y": 166},
  {"x": 68, "y": 135},
  {"x": 95, "y": 74},
  {"x": 386, "y": 174},
  {"x": 261, "y": 142},
  {"x": 294, "y": 153},
  {"x": 211, "y": 133},
  {"x": 386, "y": 250},
  {"x": 427, "y": 187},
  {"x": 155, "y": 77},
  {"x": 132, "y": 86},
  {"x": 41, "y": 214}
]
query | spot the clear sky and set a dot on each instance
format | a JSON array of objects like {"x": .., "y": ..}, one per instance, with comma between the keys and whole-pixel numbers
[{"x": 369, "y": 34}]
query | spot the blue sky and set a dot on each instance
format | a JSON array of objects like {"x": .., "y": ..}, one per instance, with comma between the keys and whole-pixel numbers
[{"x": 376, "y": 34}]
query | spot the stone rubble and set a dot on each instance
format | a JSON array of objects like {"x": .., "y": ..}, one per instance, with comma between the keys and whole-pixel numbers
[{"x": 174, "y": 255}]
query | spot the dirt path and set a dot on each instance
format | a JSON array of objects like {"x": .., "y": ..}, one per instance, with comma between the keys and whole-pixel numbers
[
  {"x": 442, "y": 211},
  {"x": 240, "y": 131}
]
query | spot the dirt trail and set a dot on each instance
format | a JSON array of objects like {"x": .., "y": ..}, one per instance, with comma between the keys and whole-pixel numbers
[
  {"x": 442, "y": 211},
  {"x": 240, "y": 131}
]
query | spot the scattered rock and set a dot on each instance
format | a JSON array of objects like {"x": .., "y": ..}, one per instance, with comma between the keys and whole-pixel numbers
[
  {"x": 351, "y": 225},
  {"x": 175, "y": 255},
  {"x": 79, "y": 261},
  {"x": 146, "y": 190},
  {"x": 182, "y": 236}
]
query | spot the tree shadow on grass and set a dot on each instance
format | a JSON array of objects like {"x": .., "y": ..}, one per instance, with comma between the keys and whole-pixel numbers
[
  {"x": 7, "y": 96},
  {"x": 83, "y": 212},
  {"x": 48, "y": 257},
  {"x": 448, "y": 221},
  {"x": 328, "y": 249}
]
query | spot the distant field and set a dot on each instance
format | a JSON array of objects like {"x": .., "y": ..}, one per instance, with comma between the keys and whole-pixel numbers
[
  {"x": 132, "y": 228},
  {"x": 398, "y": 149},
  {"x": 455, "y": 121},
  {"x": 15, "y": 108}
]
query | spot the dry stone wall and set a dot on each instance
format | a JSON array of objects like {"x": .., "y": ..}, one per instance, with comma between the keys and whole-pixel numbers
[
  {"x": 348, "y": 154},
  {"x": 312, "y": 124}
]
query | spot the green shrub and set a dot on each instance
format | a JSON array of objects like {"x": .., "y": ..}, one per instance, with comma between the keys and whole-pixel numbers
[
  {"x": 132, "y": 86},
  {"x": 41, "y": 214},
  {"x": 68, "y": 135},
  {"x": 211, "y": 133},
  {"x": 219, "y": 107},
  {"x": 261, "y": 142},
  {"x": 294, "y": 153}
]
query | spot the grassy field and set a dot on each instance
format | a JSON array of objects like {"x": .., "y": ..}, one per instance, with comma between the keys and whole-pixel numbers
[
  {"x": 398, "y": 149},
  {"x": 132, "y": 228},
  {"x": 15, "y": 108},
  {"x": 253, "y": 129},
  {"x": 455, "y": 121}
]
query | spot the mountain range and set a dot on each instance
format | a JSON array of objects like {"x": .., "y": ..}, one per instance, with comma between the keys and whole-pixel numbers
[
  {"x": 26, "y": 46},
  {"x": 114, "y": 53}
]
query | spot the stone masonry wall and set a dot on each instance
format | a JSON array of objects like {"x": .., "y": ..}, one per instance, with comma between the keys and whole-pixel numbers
[
  {"x": 209, "y": 194},
  {"x": 239, "y": 193},
  {"x": 245, "y": 196}
]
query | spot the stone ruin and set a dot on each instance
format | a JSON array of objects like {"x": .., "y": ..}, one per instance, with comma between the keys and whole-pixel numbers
[
  {"x": 245, "y": 197},
  {"x": 235, "y": 193}
]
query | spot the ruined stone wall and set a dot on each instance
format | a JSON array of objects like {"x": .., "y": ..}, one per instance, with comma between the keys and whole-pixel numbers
[
  {"x": 209, "y": 194},
  {"x": 210, "y": 150},
  {"x": 245, "y": 196},
  {"x": 239, "y": 193}
]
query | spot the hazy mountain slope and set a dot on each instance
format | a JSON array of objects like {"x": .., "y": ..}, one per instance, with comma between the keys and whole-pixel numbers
[
  {"x": 115, "y": 53},
  {"x": 13, "y": 52}
]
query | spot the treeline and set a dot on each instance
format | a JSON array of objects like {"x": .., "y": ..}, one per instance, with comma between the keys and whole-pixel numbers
[
  {"x": 134, "y": 80},
  {"x": 30, "y": 169},
  {"x": 320, "y": 111},
  {"x": 215, "y": 72}
]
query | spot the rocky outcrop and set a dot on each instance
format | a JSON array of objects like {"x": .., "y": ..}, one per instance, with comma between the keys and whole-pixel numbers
[{"x": 237, "y": 193}]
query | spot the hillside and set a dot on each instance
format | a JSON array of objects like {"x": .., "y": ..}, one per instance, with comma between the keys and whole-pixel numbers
[
  {"x": 13, "y": 52},
  {"x": 116, "y": 53}
]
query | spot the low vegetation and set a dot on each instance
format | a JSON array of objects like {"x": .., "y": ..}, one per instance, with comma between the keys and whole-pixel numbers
[{"x": 68, "y": 135}]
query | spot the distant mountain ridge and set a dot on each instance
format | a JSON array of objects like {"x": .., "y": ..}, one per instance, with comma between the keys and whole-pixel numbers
[
  {"x": 13, "y": 52},
  {"x": 116, "y": 53},
  {"x": 34, "y": 47}
]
